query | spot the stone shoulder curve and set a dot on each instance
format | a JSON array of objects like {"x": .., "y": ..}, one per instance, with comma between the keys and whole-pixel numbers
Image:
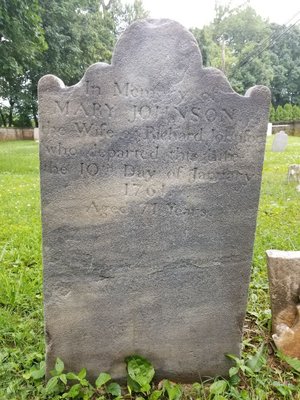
[
  {"x": 52, "y": 83},
  {"x": 259, "y": 92},
  {"x": 164, "y": 51}
]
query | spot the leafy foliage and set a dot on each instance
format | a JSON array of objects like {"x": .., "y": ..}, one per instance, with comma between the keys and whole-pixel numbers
[
  {"x": 102, "y": 379},
  {"x": 64, "y": 37},
  {"x": 140, "y": 374},
  {"x": 21, "y": 42},
  {"x": 252, "y": 51},
  {"x": 286, "y": 113},
  {"x": 57, "y": 37},
  {"x": 285, "y": 56},
  {"x": 173, "y": 390},
  {"x": 293, "y": 362}
]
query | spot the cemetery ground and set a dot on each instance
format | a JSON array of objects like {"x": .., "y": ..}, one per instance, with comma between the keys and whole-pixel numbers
[{"x": 260, "y": 373}]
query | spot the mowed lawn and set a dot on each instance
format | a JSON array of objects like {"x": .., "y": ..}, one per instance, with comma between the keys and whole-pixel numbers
[{"x": 21, "y": 308}]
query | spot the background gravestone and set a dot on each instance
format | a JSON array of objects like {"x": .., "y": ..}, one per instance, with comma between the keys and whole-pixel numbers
[
  {"x": 294, "y": 173},
  {"x": 280, "y": 142},
  {"x": 150, "y": 176}
]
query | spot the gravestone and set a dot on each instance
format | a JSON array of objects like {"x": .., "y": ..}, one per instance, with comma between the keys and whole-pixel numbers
[
  {"x": 36, "y": 134},
  {"x": 294, "y": 173},
  {"x": 280, "y": 142},
  {"x": 284, "y": 278},
  {"x": 150, "y": 180}
]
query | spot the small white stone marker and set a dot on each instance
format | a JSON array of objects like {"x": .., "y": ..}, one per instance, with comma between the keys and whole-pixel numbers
[{"x": 280, "y": 142}]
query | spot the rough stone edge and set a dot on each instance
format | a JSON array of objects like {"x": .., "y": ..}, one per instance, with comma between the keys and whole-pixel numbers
[
  {"x": 282, "y": 254},
  {"x": 51, "y": 83}
]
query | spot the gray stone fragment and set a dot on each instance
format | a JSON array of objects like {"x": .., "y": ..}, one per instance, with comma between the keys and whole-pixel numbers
[
  {"x": 284, "y": 278},
  {"x": 294, "y": 173},
  {"x": 150, "y": 180},
  {"x": 280, "y": 142}
]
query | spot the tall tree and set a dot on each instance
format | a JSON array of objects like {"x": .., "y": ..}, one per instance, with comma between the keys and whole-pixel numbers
[
  {"x": 247, "y": 33},
  {"x": 124, "y": 14},
  {"x": 252, "y": 51},
  {"x": 21, "y": 41},
  {"x": 285, "y": 56},
  {"x": 69, "y": 35}
]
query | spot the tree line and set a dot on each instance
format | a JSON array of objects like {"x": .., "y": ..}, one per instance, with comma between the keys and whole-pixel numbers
[
  {"x": 64, "y": 37},
  {"x": 287, "y": 113},
  {"x": 252, "y": 51}
]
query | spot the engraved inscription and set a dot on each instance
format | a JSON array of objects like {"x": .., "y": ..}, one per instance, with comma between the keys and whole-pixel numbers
[
  {"x": 92, "y": 129},
  {"x": 137, "y": 188},
  {"x": 97, "y": 151},
  {"x": 128, "y": 89},
  {"x": 60, "y": 150},
  {"x": 105, "y": 210},
  {"x": 173, "y": 209},
  {"x": 87, "y": 109},
  {"x": 63, "y": 107},
  {"x": 92, "y": 89},
  {"x": 54, "y": 168},
  {"x": 225, "y": 175},
  {"x": 139, "y": 172},
  {"x": 170, "y": 209},
  {"x": 95, "y": 169}
]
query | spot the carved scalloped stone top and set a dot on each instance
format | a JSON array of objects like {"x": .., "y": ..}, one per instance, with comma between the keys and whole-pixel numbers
[
  {"x": 149, "y": 43},
  {"x": 150, "y": 179}
]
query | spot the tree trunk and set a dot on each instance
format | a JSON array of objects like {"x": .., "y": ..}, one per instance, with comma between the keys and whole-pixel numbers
[
  {"x": 34, "y": 113},
  {"x": 10, "y": 115},
  {"x": 3, "y": 118}
]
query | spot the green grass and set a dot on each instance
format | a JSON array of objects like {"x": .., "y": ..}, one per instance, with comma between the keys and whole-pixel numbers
[
  {"x": 278, "y": 221},
  {"x": 21, "y": 314}
]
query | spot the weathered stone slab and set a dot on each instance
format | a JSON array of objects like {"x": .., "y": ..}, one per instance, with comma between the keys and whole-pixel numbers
[
  {"x": 284, "y": 278},
  {"x": 294, "y": 173},
  {"x": 150, "y": 175},
  {"x": 280, "y": 142}
]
